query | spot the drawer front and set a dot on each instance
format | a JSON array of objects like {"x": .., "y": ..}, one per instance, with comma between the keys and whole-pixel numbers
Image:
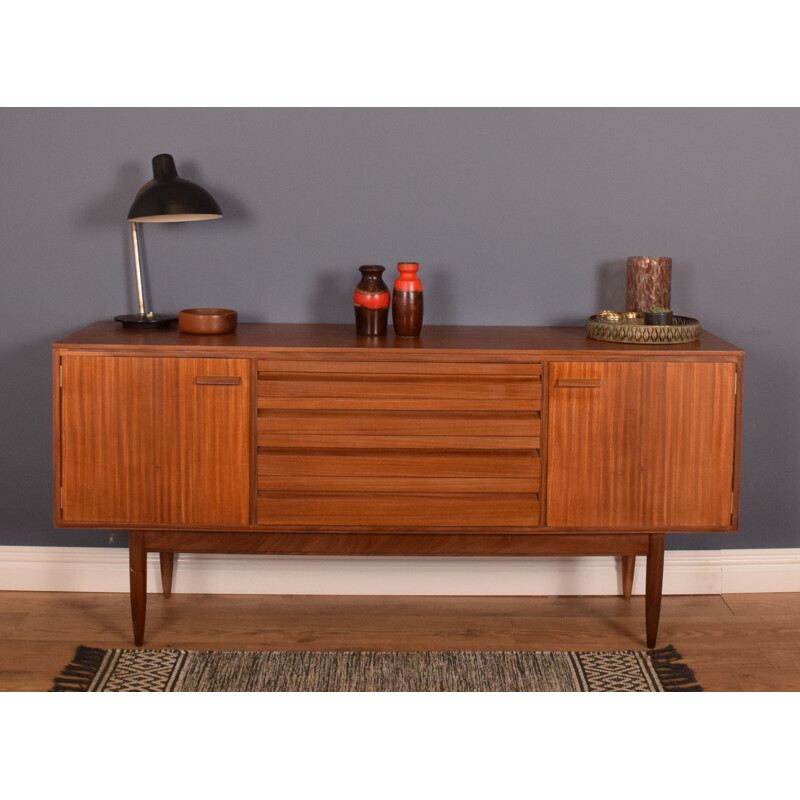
[
  {"x": 399, "y": 470},
  {"x": 393, "y": 392},
  {"x": 451, "y": 445},
  {"x": 440, "y": 430},
  {"x": 401, "y": 386},
  {"x": 457, "y": 510}
]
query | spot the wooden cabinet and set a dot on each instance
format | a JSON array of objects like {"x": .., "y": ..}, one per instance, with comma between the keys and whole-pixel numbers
[{"x": 468, "y": 441}]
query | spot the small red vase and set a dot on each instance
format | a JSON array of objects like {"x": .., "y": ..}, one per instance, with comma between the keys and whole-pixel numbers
[
  {"x": 407, "y": 300},
  {"x": 371, "y": 302}
]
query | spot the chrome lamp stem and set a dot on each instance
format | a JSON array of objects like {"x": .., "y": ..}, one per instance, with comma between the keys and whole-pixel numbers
[{"x": 137, "y": 262}]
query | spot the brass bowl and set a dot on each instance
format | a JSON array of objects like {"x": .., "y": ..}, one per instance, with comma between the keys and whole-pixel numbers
[
  {"x": 207, "y": 320},
  {"x": 682, "y": 331}
]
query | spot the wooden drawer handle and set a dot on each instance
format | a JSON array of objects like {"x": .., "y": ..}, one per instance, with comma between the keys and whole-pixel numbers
[
  {"x": 217, "y": 380},
  {"x": 578, "y": 383}
]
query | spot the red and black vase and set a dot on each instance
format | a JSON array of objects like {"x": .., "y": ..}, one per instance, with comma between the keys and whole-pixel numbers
[
  {"x": 371, "y": 302},
  {"x": 407, "y": 300}
]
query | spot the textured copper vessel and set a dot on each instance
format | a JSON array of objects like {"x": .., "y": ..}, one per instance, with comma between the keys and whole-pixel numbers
[{"x": 648, "y": 284}]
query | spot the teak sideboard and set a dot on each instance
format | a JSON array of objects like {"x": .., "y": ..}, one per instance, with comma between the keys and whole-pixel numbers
[{"x": 306, "y": 439}]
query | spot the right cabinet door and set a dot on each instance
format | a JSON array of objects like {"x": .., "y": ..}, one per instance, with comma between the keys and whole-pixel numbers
[{"x": 641, "y": 445}]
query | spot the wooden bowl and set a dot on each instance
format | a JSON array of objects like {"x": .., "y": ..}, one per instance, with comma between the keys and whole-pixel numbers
[{"x": 207, "y": 320}]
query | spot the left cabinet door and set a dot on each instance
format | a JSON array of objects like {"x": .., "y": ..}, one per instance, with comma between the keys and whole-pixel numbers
[{"x": 154, "y": 441}]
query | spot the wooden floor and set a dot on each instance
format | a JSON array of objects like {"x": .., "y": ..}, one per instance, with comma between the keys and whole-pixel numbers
[{"x": 734, "y": 643}]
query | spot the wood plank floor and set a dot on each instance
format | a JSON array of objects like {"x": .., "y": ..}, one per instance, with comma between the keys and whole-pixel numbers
[{"x": 734, "y": 643}]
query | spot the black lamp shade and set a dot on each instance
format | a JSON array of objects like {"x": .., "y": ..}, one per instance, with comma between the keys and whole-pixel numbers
[{"x": 168, "y": 198}]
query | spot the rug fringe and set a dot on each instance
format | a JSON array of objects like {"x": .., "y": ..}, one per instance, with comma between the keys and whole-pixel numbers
[
  {"x": 674, "y": 676},
  {"x": 77, "y": 676}
]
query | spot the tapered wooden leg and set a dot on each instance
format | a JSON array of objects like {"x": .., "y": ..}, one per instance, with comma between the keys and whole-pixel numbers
[
  {"x": 138, "y": 563},
  {"x": 167, "y": 570},
  {"x": 654, "y": 580},
  {"x": 628, "y": 566}
]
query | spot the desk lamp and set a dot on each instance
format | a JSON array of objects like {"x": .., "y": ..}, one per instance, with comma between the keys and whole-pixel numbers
[{"x": 166, "y": 198}]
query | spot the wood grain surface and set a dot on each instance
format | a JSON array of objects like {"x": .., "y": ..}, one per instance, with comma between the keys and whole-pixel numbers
[
  {"x": 734, "y": 643},
  {"x": 141, "y": 442},
  {"x": 641, "y": 445},
  {"x": 454, "y": 341}
]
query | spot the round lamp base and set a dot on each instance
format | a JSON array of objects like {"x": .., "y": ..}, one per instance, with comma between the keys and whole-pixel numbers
[{"x": 145, "y": 320}]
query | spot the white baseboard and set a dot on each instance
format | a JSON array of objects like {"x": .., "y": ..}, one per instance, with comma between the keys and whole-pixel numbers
[{"x": 98, "y": 569}]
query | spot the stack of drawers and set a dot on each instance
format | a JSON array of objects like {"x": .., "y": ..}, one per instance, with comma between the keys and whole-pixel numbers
[{"x": 404, "y": 443}]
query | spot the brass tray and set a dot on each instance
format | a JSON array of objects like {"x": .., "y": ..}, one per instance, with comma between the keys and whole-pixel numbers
[{"x": 682, "y": 330}]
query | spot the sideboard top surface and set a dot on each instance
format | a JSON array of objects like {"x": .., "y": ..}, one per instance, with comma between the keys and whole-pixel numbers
[{"x": 552, "y": 341}]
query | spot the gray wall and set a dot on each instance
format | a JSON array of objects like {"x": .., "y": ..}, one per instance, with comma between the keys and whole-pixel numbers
[{"x": 517, "y": 216}]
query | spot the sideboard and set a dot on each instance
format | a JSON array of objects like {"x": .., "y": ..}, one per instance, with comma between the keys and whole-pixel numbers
[{"x": 470, "y": 441}]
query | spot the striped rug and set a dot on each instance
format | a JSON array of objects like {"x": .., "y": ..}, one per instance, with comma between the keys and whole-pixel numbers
[{"x": 95, "y": 670}]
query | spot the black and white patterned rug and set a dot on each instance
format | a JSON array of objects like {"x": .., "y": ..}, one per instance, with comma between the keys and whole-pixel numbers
[{"x": 95, "y": 670}]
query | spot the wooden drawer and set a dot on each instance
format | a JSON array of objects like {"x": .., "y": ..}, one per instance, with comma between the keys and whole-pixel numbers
[
  {"x": 399, "y": 386},
  {"x": 399, "y": 464},
  {"x": 456, "y": 510},
  {"x": 385, "y": 392},
  {"x": 439, "y": 430},
  {"x": 399, "y": 471}
]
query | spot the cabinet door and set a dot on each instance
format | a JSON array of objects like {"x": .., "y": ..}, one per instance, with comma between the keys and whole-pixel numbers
[
  {"x": 641, "y": 446},
  {"x": 155, "y": 441}
]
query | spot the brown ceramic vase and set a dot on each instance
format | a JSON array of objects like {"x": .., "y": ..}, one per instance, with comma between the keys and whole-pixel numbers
[
  {"x": 407, "y": 301},
  {"x": 371, "y": 302}
]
